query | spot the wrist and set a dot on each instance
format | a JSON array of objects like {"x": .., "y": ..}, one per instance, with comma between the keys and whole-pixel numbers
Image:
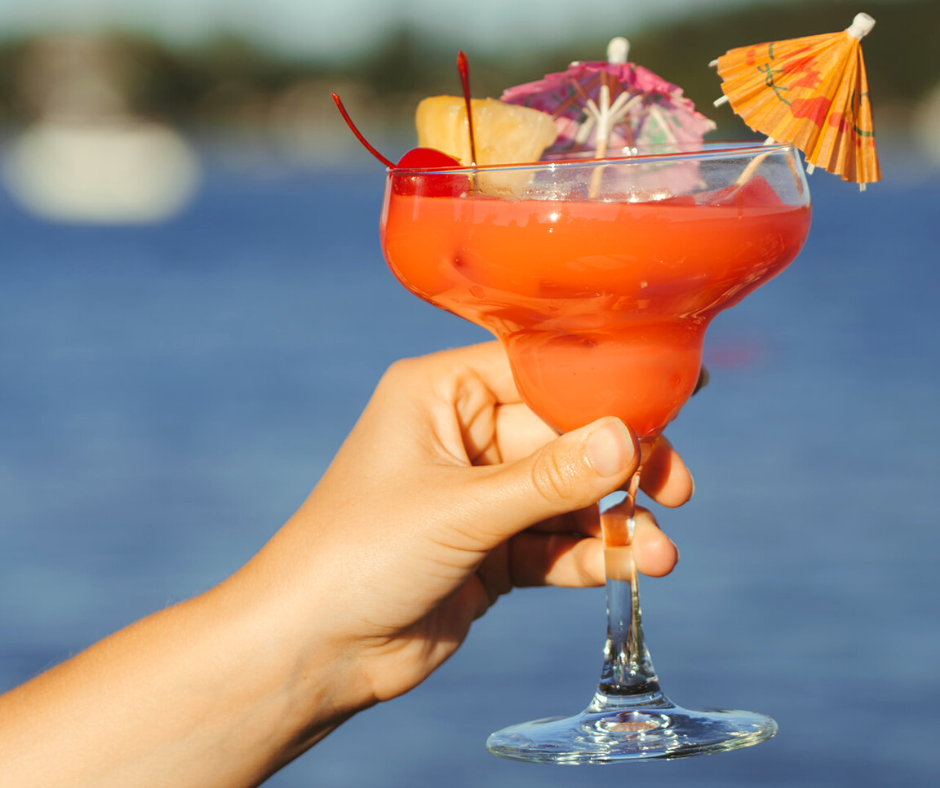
[
  {"x": 213, "y": 691},
  {"x": 296, "y": 672}
]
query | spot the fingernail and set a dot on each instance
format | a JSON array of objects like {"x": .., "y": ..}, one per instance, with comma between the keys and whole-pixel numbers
[{"x": 610, "y": 448}]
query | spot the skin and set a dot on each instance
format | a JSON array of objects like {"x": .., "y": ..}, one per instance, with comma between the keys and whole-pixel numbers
[{"x": 448, "y": 493}]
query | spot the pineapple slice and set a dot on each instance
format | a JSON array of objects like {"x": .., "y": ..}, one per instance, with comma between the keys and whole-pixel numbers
[{"x": 503, "y": 134}]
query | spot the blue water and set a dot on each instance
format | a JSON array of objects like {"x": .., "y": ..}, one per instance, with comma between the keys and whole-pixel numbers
[{"x": 169, "y": 395}]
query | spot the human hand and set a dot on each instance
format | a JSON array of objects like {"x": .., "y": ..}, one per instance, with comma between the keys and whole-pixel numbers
[{"x": 448, "y": 493}]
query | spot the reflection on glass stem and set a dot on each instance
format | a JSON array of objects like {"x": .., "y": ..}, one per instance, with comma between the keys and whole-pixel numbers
[{"x": 628, "y": 668}]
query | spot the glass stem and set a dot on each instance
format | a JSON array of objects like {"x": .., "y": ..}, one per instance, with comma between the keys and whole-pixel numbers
[{"x": 628, "y": 669}]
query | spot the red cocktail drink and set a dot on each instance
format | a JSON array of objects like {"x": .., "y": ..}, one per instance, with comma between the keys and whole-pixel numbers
[{"x": 602, "y": 304}]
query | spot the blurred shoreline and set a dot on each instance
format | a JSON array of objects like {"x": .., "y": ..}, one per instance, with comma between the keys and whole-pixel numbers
[
  {"x": 145, "y": 173},
  {"x": 114, "y": 127},
  {"x": 229, "y": 85}
]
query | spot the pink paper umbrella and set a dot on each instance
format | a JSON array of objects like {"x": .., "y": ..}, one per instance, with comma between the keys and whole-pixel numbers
[{"x": 613, "y": 106}]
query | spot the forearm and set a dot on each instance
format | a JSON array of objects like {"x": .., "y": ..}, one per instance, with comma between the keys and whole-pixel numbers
[{"x": 211, "y": 692}]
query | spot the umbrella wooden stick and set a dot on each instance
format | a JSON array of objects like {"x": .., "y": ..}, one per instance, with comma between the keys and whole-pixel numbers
[
  {"x": 606, "y": 115},
  {"x": 751, "y": 168}
]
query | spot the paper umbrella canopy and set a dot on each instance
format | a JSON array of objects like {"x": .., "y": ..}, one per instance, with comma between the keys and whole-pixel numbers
[{"x": 811, "y": 92}]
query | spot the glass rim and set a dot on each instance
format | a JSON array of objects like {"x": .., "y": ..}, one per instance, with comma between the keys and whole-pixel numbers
[{"x": 712, "y": 149}]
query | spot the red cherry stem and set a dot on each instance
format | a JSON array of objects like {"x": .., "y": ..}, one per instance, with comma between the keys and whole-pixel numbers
[
  {"x": 354, "y": 130},
  {"x": 464, "y": 68}
]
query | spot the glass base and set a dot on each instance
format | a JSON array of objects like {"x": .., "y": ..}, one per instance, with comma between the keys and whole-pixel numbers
[{"x": 622, "y": 729}]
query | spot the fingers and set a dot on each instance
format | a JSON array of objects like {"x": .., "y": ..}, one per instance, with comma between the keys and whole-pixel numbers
[
  {"x": 583, "y": 522},
  {"x": 665, "y": 478},
  {"x": 704, "y": 378},
  {"x": 487, "y": 361},
  {"x": 556, "y": 559},
  {"x": 574, "y": 560},
  {"x": 519, "y": 432},
  {"x": 655, "y": 553},
  {"x": 569, "y": 473}
]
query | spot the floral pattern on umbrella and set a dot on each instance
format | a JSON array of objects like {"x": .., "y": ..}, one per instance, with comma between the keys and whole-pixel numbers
[
  {"x": 811, "y": 92},
  {"x": 613, "y": 106}
]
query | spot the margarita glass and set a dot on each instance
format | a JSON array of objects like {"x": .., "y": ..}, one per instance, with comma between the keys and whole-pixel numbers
[{"x": 600, "y": 277}]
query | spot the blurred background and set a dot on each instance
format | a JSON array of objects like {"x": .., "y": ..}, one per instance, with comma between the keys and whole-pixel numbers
[{"x": 194, "y": 309}]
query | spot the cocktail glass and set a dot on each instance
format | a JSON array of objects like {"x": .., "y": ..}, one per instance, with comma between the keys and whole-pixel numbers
[{"x": 600, "y": 276}]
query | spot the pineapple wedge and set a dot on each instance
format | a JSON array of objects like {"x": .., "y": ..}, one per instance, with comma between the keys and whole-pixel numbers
[{"x": 503, "y": 134}]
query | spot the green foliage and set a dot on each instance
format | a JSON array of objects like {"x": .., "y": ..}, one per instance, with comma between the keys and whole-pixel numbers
[
  {"x": 187, "y": 85},
  {"x": 899, "y": 55}
]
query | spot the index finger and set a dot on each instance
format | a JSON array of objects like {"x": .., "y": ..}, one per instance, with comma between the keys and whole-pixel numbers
[
  {"x": 488, "y": 362},
  {"x": 664, "y": 476}
]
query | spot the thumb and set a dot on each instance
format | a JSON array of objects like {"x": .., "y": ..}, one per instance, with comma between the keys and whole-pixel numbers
[{"x": 575, "y": 470}]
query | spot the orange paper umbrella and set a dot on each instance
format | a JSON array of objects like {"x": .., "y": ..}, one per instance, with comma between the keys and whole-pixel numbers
[{"x": 811, "y": 92}]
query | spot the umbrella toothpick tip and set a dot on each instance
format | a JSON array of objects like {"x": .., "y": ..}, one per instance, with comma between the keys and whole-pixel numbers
[
  {"x": 617, "y": 50},
  {"x": 719, "y": 102},
  {"x": 861, "y": 26}
]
